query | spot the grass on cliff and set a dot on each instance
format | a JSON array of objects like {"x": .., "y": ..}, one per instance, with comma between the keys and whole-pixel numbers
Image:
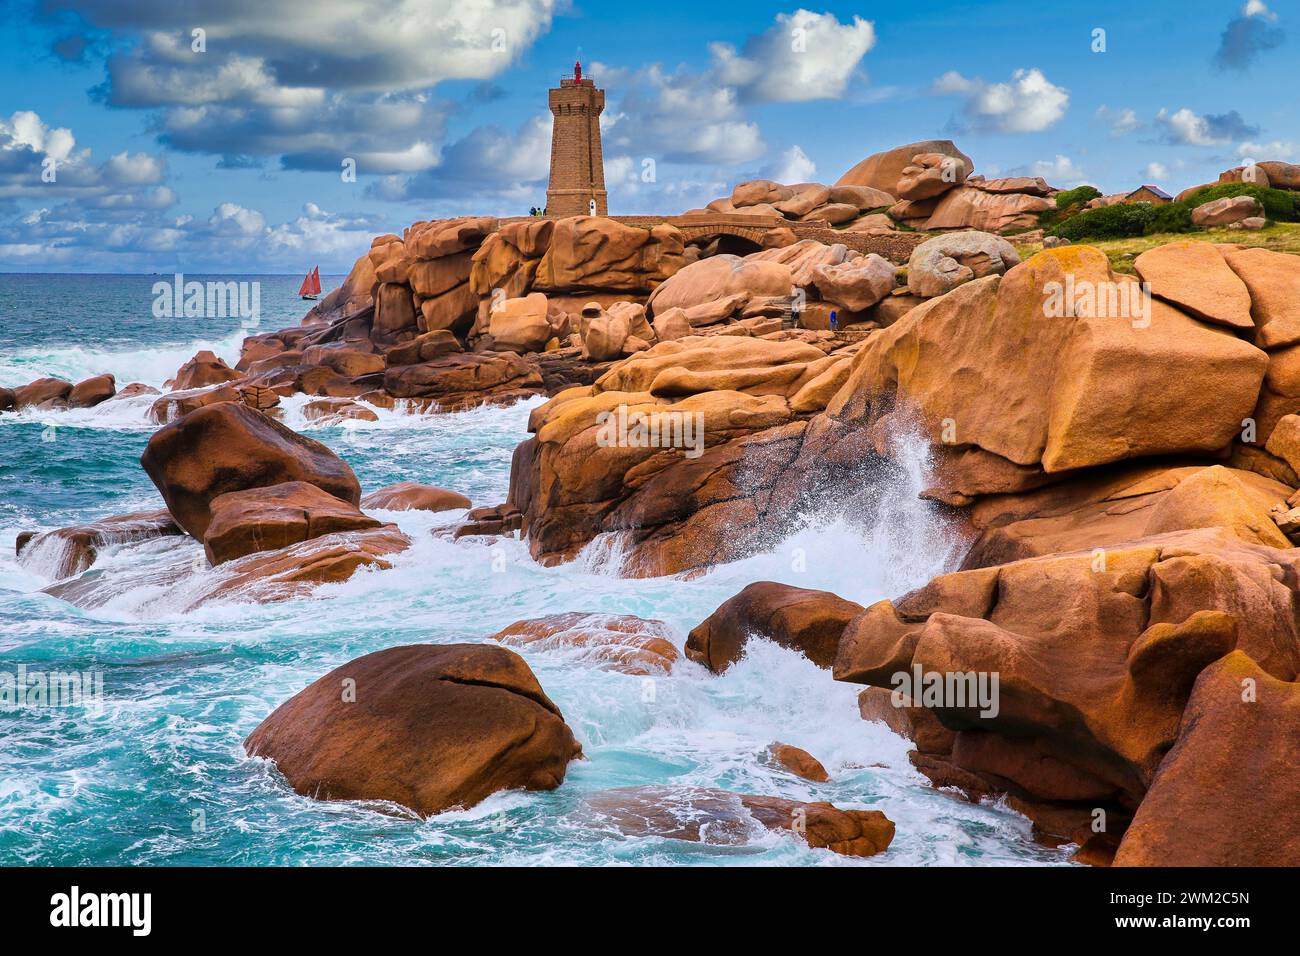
[{"x": 1279, "y": 237}]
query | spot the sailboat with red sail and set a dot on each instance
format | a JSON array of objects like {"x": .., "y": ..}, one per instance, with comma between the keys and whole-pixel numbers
[{"x": 311, "y": 284}]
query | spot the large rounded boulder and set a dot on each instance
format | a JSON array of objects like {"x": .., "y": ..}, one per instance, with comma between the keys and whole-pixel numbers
[
  {"x": 810, "y": 622},
  {"x": 426, "y": 726},
  {"x": 939, "y": 265},
  {"x": 884, "y": 171},
  {"x": 267, "y": 519},
  {"x": 719, "y": 277},
  {"x": 231, "y": 447}
]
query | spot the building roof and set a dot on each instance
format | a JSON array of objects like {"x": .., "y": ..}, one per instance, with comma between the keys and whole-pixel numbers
[{"x": 1155, "y": 189}]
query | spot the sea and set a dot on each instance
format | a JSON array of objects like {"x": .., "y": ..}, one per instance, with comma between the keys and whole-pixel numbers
[{"x": 155, "y": 773}]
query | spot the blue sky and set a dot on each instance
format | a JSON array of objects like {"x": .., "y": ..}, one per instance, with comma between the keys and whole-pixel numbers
[{"x": 228, "y": 158}]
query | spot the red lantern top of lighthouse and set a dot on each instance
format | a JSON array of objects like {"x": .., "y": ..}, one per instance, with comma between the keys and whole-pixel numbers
[{"x": 576, "y": 78}]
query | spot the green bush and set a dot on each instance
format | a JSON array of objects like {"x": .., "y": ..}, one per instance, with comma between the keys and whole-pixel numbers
[
  {"x": 1121, "y": 221},
  {"x": 1068, "y": 203},
  {"x": 1278, "y": 204},
  {"x": 1171, "y": 217},
  {"x": 1126, "y": 220},
  {"x": 1078, "y": 196}
]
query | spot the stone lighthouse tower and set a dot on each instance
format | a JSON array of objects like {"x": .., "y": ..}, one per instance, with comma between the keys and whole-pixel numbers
[{"x": 577, "y": 164}]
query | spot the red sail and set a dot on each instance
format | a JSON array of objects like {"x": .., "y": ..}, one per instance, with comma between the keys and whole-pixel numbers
[{"x": 311, "y": 283}]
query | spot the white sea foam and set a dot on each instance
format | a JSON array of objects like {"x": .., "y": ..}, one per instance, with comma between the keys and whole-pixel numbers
[
  {"x": 200, "y": 680},
  {"x": 76, "y": 362}
]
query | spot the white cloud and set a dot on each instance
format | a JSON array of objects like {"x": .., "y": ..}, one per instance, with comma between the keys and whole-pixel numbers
[
  {"x": 1257, "y": 8},
  {"x": 140, "y": 169},
  {"x": 234, "y": 238},
  {"x": 25, "y": 129},
  {"x": 1156, "y": 172},
  {"x": 353, "y": 83},
  {"x": 804, "y": 56},
  {"x": 233, "y": 219},
  {"x": 793, "y": 166},
  {"x": 632, "y": 192},
  {"x": 381, "y": 45},
  {"x": 953, "y": 82},
  {"x": 688, "y": 116},
  {"x": 1060, "y": 171},
  {"x": 1278, "y": 150},
  {"x": 1121, "y": 122},
  {"x": 38, "y": 161},
  {"x": 1187, "y": 128},
  {"x": 1028, "y": 103},
  {"x": 488, "y": 164},
  {"x": 680, "y": 116}
]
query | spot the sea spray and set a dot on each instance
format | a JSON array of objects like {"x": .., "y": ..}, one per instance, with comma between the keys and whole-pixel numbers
[{"x": 188, "y": 686}]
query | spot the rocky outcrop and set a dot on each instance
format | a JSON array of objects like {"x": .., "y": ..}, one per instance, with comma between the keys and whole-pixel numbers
[
  {"x": 672, "y": 449},
  {"x": 1112, "y": 505},
  {"x": 505, "y": 518},
  {"x": 41, "y": 393},
  {"x": 926, "y": 185},
  {"x": 229, "y": 447},
  {"x": 335, "y": 411},
  {"x": 425, "y": 726},
  {"x": 463, "y": 380},
  {"x": 1028, "y": 185},
  {"x": 939, "y": 265},
  {"x": 1273, "y": 281},
  {"x": 701, "y": 815},
  {"x": 1195, "y": 277},
  {"x": 1222, "y": 796},
  {"x": 174, "y": 405},
  {"x": 908, "y": 718},
  {"x": 884, "y": 170},
  {"x": 760, "y": 191},
  {"x": 92, "y": 391},
  {"x": 1281, "y": 175},
  {"x": 204, "y": 370},
  {"x": 578, "y": 253},
  {"x": 355, "y": 294},
  {"x": 1095, "y": 659},
  {"x": 797, "y": 761},
  {"x": 1010, "y": 387},
  {"x": 56, "y": 393},
  {"x": 807, "y": 621},
  {"x": 931, "y": 174},
  {"x": 728, "y": 279},
  {"x": 521, "y": 325},
  {"x": 620, "y": 642},
  {"x": 858, "y": 284},
  {"x": 65, "y": 552},
  {"x": 412, "y": 496},
  {"x": 295, "y": 571},
  {"x": 275, "y": 516},
  {"x": 972, "y": 208},
  {"x": 1226, "y": 211}
]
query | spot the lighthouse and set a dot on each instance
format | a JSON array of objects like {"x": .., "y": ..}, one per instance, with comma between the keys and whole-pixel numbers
[{"x": 577, "y": 186}]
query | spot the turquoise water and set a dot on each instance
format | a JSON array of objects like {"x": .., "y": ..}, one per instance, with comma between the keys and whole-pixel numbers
[{"x": 159, "y": 776}]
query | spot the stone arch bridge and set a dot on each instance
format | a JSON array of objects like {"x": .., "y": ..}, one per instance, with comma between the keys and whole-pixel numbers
[{"x": 896, "y": 246}]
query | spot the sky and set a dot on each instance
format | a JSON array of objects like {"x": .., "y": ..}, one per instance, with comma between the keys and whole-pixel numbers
[{"x": 220, "y": 136}]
